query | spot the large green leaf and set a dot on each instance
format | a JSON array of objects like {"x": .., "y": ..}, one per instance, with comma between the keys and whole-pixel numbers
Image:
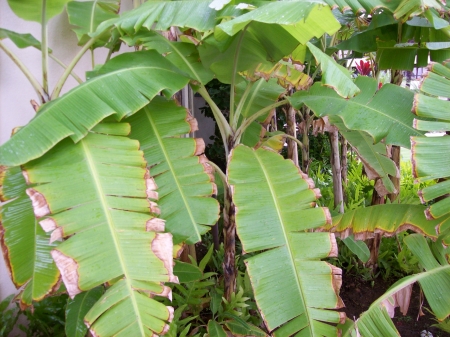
[
  {"x": 123, "y": 89},
  {"x": 359, "y": 7},
  {"x": 184, "y": 179},
  {"x": 435, "y": 282},
  {"x": 404, "y": 49},
  {"x": 334, "y": 75},
  {"x": 374, "y": 157},
  {"x": 31, "y": 10},
  {"x": 264, "y": 36},
  {"x": 25, "y": 245},
  {"x": 87, "y": 15},
  {"x": 292, "y": 287},
  {"x": 20, "y": 40},
  {"x": 182, "y": 54},
  {"x": 245, "y": 51},
  {"x": 382, "y": 114},
  {"x": 258, "y": 96},
  {"x": 427, "y": 152},
  {"x": 301, "y": 19},
  {"x": 95, "y": 193},
  {"x": 161, "y": 15},
  {"x": 77, "y": 308},
  {"x": 386, "y": 219}
]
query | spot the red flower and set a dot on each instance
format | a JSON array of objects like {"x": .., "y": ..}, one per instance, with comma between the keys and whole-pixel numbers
[{"x": 363, "y": 68}]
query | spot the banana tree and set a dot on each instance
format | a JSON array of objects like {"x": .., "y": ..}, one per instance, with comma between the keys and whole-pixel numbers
[{"x": 118, "y": 191}]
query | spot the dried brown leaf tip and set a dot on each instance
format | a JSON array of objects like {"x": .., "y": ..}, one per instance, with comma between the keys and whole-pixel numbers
[
  {"x": 151, "y": 188},
  {"x": 336, "y": 274},
  {"x": 415, "y": 104},
  {"x": 155, "y": 225},
  {"x": 154, "y": 208},
  {"x": 40, "y": 205},
  {"x": 199, "y": 146},
  {"x": 69, "y": 272},
  {"x": 192, "y": 122},
  {"x": 162, "y": 247},
  {"x": 49, "y": 225},
  {"x": 334, "y": 247}
]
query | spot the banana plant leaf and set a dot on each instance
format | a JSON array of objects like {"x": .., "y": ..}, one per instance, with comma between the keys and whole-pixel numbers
[
  {"x": 20, "y": 40},
  {"x": 183, "y": 176},
  {"x": 252, "y": 98},
  {"x": 77, "y": 308},
  {"x": 435, "y": 283},
  {"x": 428, "y": 161},
  {"x": 382, "y": 37},
  {"x": 31, "y": 10},
  {"x": 301, "y": 19},
  {"x": 88, "y": 15},
  {"x": 183, "y": 55},
  {"x": 25, "y": 245},
  {"x": 359, "y": 7},
  {"x": 161, "y": 15},
  {"x": 382, "y": 114},
  {"x": 334, "y": 75},
  {"x": 288, "y": 74},
  {"x": 273, "y": 212},
  {"x": 385, "y": 219},
  {"x": 94, "y": 193},
  {"x": 374, "y": 157},
  {"x": 122, "y": 90},
  {"x": 245, "y": 51}
]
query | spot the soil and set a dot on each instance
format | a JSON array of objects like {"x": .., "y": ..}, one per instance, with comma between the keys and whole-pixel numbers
[{"x": 358, "y": 295}]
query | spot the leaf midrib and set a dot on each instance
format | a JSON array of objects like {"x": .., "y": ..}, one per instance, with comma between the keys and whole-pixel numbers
[
  {"x": 101, "y": 196},
  {"x": 299, "y": 286},
  {"x": 172, "y": 171}
]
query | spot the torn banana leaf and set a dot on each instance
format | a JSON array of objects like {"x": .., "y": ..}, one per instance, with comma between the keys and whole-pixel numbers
[
  {"x": 385, "y": 219},
  {"x": 294, "y": 290},
  {"x": 384, "y": 113},
  {"x": 376, "y": 162},
  {"x": 428, "y": 154},
  {"x": 94, "y": 194},
  {"x": 122, "y": 89},
  {"x": 181, "y": 171},
  {"x": 26, "y": 248}
]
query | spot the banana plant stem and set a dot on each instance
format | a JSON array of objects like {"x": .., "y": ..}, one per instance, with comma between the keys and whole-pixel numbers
[
  {"x": 245, "y": 124},
  {"x": 43, "y": 97},
  {"x": 234, "y": 74},
  {"x": 70, "y": 67},
  {"x": 241, "y": 103},
  {"x": 222, "y": 123},
  {"x": 44, "y": 47}
]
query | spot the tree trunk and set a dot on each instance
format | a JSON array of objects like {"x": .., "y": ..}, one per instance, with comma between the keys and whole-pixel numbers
[
  {"x": 374, "y": 243},
  {"x": 229, "y": 228},
  {"x": 397, "y": 78},
  {"x": 292, "y": 131},
  {"x": 336, "y": 170},
  {"x": 307, "y": 120}
]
